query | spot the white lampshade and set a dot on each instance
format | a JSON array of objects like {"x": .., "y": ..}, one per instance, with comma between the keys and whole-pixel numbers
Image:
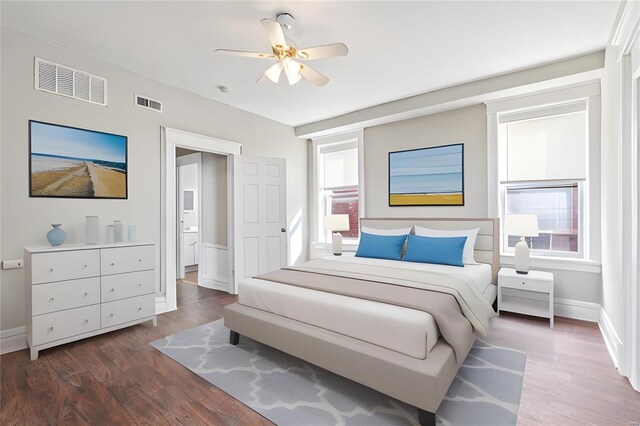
[
  {"x": 336, "y": 222},
  {"x": 521, "y": 225}
]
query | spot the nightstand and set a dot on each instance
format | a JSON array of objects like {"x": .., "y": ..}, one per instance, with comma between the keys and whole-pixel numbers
[{"x": 534, "y": 282}]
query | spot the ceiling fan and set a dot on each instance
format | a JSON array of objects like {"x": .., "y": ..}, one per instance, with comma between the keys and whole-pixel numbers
[{"x": 288, "y": 55}]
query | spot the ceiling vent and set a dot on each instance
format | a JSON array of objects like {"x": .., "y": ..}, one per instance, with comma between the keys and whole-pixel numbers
[
  {"x": 55, "y": 78},
  {"x": 148, "y": 103}
]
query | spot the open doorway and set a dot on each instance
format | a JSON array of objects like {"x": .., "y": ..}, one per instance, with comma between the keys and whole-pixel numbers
[{"x": 202, "y": 218}]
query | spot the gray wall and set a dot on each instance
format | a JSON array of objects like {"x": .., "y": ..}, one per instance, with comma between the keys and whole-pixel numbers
[
  {"x": 466, "y": 125},
  {"x": 214, "y": 198},
  {"x": 469, "y": 126},
  {"x": 24, "y": 220}
]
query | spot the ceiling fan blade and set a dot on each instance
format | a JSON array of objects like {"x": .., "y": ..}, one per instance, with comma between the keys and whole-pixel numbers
[
  {"x": 274, "y": 32},
  {"x": 245, "y": 54},
  {"x": 326, "y": 51},
  {"x": 313, "y": 76}
]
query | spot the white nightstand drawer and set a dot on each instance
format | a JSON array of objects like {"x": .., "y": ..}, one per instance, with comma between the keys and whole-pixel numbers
[
  {"x": 62, "y": 295},
  {"x": 121, "y": 286},
  {"x": 64, "y": 265},
  {"x": 127, "y": 259},
  {"x": 525, "y": 284},
  {"x": 125, "y": 310},
  {"x": 58, "y": 325}
]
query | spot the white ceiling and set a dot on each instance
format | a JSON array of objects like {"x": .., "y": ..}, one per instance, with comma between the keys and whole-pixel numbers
[{"x": 397, "y": 49}]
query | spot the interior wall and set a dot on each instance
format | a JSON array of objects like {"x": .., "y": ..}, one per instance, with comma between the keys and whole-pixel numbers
[
  {"x": 465, "y": 125},
  {"x": 214, "y": 198},
  {"x": 25, "y": 221}
]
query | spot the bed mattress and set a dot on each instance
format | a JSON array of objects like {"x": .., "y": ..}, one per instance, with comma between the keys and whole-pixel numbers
[{"x": 408, "y": 331}]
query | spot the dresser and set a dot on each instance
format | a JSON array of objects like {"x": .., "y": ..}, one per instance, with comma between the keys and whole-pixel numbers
[{"x": 78, "y": 291}]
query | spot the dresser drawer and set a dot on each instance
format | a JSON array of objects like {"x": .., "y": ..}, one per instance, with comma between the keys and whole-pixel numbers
[
  {"x": 65, "y": 295},
  {"x": 127, "y": 259},
  {"x": 125, "y": 310},
  {"x": 525, "y": 284},
  {"x": 58, "y": 325},
  {"x": 120, "y": 286},
  {"x": 64, "y": 265}
]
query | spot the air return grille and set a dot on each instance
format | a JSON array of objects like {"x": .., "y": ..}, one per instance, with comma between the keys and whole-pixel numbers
[
  {"x": 147, "y": 103},
  {"x": 55, "y": 78}
]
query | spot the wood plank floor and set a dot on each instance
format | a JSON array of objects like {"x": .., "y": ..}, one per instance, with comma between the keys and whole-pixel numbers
[{"x": 118, "y": 378}]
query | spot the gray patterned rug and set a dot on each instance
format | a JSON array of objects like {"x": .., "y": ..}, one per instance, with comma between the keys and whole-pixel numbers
[{"x": 289, "y": 391}]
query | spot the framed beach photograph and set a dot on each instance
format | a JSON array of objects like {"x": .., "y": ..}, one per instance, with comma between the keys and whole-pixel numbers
[
  {"x": 427, "y": 176},
  {"x": 67, "y": 162}
]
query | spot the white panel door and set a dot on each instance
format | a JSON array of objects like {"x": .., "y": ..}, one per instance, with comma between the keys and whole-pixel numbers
[{"x": 261, "y": 216}]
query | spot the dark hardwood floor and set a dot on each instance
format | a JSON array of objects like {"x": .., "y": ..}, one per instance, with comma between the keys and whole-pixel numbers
[{"x": 118, "y": 378}]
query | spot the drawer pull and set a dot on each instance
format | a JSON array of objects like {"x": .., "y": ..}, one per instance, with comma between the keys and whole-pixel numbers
[
  {"x": 51, "y": 300},
  {"x": 86, "y": 321},
  {"x": 112, "y": 264},
  {"x": 50, "y": 269},
  {"x": 111, "y": 316},
  {"x": 139, "y": 285},
  {"x": 140, "y": 308},
  {"x": 113, "y": 289},
  {"x": 85, "y": 294},
  {"x": 51, "y": 328},
  {"x": 84, "y": 266},
  {"x": 139, "y": 260}
]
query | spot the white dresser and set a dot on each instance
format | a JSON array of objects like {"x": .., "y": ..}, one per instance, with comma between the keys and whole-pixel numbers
[{"x": 78, "y": 291}]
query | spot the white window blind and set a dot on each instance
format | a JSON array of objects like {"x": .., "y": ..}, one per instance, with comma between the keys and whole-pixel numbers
[{"x": 550, "y": 148}]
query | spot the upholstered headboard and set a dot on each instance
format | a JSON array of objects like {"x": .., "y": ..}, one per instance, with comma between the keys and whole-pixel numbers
[{"x": 487, "y": 249}]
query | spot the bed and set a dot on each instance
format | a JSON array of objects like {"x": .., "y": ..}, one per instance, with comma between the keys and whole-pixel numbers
[{"x": 401, "y": 328}]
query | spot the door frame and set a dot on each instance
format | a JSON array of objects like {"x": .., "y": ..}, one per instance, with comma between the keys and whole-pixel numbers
[{"x": 171, "y": 139}]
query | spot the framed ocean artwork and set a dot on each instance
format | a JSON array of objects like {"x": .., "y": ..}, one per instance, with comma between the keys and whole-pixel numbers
[
  {"x": 427, "y": 176},
  {"x": 67, "y": 162}
]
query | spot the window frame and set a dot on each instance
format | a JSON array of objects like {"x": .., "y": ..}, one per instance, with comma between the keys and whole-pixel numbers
[
  {"x": 316, "y": 198},
  {"x": 530, "y": 105}
]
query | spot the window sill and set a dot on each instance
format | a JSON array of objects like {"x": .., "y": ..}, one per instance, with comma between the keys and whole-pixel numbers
[
  {"x": 346, "y": 247},
  {"x": 558, "y": 263}
]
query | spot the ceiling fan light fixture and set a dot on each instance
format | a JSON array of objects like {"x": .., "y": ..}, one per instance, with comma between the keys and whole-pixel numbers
[
  {"x": 292, "y": 70},
  {"x": 273, "y": 73}
]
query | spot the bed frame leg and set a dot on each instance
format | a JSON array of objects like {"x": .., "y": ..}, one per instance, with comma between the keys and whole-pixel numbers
[
  {"x": 234, "y": 338},
  {"x": 426, "y": 418}
]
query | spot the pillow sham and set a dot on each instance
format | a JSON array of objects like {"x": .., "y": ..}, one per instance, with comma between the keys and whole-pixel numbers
[
  {"x": 376, "y": 231},
  {"x": 381, "y": 246},
  {"x": 440, "y": 250},
  {"x": 471, "y": 234}
]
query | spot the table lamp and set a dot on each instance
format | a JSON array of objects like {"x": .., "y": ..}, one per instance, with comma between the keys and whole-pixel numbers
[
  {"x": 335, "y": 223},
  {"x": 521, "y": 225}
]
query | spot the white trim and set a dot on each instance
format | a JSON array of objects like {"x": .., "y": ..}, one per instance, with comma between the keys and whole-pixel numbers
[
  {"x": 13, "y": 339},
  {"x": 611, "y": 339},
  {"x": 173, "y": 138},
  {"x": 556, "y": 263},
  {"x": 576, "y": 309},
  {"x": 161, "y": 305}
]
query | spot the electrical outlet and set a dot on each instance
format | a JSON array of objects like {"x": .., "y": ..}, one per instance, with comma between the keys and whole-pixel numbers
[{"x": 13, "y": 264}]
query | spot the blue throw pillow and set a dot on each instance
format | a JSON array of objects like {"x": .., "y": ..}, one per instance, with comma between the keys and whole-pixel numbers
[
  {"x": 441, "y": 250},
  {"x": 381, "y": 246}
]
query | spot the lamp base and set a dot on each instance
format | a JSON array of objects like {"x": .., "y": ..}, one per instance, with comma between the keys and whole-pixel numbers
[
  {"x": 522, "y": 257},
  {"x": 337, "y": 244}
]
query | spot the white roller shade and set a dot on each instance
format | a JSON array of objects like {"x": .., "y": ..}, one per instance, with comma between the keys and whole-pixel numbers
[{"x": 548, "y": 148}]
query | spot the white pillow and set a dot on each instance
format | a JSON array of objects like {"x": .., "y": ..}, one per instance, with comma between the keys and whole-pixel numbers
[
  {"x": 471, "y": 234},
  {"x": 393, "y": 232}
]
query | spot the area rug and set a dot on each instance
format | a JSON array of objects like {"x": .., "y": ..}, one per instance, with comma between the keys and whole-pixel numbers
[{"x": 291, "y": 392}]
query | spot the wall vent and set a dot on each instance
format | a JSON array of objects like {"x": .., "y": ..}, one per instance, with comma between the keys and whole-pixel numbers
[
  {"x": 147, "y": 103},
  {"x": 55, "y": 78}
]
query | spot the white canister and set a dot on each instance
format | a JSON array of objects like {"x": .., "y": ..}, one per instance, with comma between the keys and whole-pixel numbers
[
  {"x": 131, "y": 232},
  {"x": 117, "y": 231},
  {"x": 92, "y": 230},
  {"x": 110, "y": 233}
]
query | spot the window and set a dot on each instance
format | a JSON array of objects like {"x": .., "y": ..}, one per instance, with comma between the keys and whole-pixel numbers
[
  {"x": 338, "y": 188},
  {"x": 544, "y": 172}
]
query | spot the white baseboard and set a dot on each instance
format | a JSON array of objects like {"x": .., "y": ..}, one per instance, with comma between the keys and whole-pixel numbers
[
  {"x": 13, "y": 340},
  {"x": 577, "y": 309},
  {"x": 611, "y": 339}
]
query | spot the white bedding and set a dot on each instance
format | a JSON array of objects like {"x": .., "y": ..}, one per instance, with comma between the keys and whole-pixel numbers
[
  {"x": 479, "y": 273},
  {"x": 408, "y": 331}
]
